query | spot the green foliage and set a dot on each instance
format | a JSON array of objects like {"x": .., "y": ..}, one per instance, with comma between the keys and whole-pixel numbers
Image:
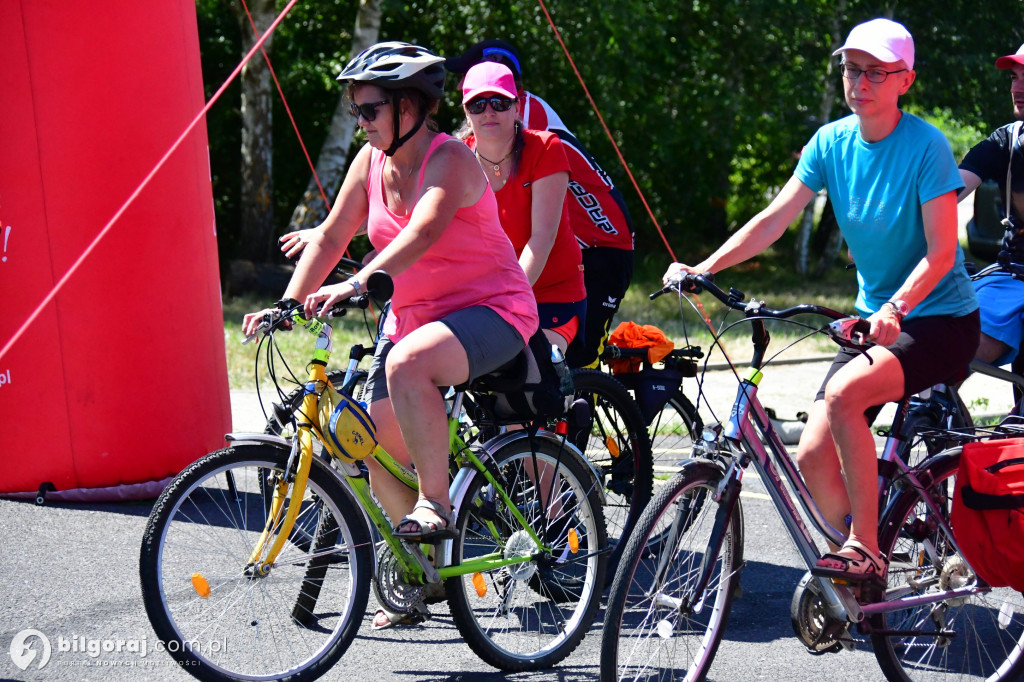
[{"x": 709, "y": 102}]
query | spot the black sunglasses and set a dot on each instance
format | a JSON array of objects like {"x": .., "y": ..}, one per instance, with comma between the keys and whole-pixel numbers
[
  {"x": 368, "y": 110},
  {"x": 498, "y": 104}
]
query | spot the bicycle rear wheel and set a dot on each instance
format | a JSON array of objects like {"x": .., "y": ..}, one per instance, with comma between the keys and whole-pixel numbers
[
  {"x": 618, "y": 446},
  {"x": 214, "y": 615},
  {"x": 655, "y": 627},
  {"x": 983, "y": 633},
  {"x": 531, "y": 615},
  {"x": 673, "y": 432}
]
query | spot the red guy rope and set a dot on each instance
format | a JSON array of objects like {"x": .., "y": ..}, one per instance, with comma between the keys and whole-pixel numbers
[
  {"x": 288, "y": 110},
  {"x": 622, "y": 159}
]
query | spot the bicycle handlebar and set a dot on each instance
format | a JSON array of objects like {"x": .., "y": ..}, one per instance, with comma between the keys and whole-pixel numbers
[
  {"x": 613, "y": 352},
  {"x": 847, "y": 331},
  {"x": 379, "y": 286},
  {"x": 1015, "y": 270}
]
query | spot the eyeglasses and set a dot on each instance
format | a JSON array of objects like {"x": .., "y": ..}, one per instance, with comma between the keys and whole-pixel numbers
[
  {"x": 368, "y": 110},
  {"x": 874, "y": 75},
  {"x": 498, "y": 104}
]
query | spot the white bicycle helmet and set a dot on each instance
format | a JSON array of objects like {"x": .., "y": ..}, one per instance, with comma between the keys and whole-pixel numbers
[{"x": 394, "y": 65}]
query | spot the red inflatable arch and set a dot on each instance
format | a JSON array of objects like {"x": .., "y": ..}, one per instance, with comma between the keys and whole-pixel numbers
[{"x": 121, "y": 381}]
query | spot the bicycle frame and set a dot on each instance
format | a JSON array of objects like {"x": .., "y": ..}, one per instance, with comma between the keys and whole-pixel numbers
[
  {"x": 288, "y": 490},
  {"x": 742, "y": 433}
]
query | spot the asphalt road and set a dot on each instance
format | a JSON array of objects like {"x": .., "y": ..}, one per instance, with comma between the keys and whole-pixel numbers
[{"x": 70, "y": 571}]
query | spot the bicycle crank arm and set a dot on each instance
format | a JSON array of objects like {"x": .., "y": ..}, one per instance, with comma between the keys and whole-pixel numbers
[{"x": 429, "y": 571}]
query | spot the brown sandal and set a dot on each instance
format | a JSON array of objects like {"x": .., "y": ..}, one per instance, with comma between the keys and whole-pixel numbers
[{"x": 425, "y": 530}]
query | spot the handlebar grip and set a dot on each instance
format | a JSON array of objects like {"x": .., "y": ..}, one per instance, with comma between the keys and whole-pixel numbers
[{"x": 690, "y": 283}]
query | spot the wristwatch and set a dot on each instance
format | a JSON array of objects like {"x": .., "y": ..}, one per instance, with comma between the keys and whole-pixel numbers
[
  {"x": 354, "y": 283},
  {"x": 900, "y": 306}
]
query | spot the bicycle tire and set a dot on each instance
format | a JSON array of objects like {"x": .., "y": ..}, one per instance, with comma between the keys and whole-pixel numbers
[
  {"x": 534, "y": 614},
  {"x": 935, "y": 413},
  {"x": 673, "y": 432},
  {"x": 982, "y": 646},
  {"x": 620, "y": 450},
  {"x": 199, "y": 527},
  {"x": 648, "y": 634}
]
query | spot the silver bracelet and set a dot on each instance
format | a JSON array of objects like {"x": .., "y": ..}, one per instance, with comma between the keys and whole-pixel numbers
[{"x": 354, "y": 283}]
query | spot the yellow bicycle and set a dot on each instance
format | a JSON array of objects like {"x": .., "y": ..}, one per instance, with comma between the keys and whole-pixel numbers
[{"x": 257, "y": 559}]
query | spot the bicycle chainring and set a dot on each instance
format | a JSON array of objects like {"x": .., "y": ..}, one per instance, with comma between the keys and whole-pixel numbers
[
  {"x": 819, "y": 632},
  {"x": 390, "y": 588}
]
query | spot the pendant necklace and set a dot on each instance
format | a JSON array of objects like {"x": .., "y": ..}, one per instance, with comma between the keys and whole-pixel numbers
[{"x": 495, "y": 165}]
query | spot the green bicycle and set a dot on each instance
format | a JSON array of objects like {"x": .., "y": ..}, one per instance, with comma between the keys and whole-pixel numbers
[{"x": 257, "y": 559}]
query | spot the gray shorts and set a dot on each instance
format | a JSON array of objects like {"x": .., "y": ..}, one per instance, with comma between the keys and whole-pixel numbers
[{"x": 489, "y": 342}]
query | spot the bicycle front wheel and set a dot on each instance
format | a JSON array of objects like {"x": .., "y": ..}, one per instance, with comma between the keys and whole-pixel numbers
[
  {"x": 213, "y": 613},
  {"x": 620, "y": 450},
  {"x": 657, "y": 627},
  {"x": 529, "y": 615},
  {"x": 968, "y": 637}
]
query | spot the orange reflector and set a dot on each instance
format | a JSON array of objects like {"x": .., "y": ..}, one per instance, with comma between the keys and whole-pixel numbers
[
  {"x": 574, "y": 541},
  {"x": 612, "y": 446},
  {"x": 479, "y": 584},
  {"x": 201, "y": 586}
]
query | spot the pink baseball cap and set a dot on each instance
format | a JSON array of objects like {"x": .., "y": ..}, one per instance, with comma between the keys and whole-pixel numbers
[
  {"x": 488, "y": 77},
  {"x": 1010, "y": 60},
  {"x": 883, "y": 39}
]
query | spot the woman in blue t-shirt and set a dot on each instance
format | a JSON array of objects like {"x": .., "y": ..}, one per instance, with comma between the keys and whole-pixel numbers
[{"x": 893, "y": 181}]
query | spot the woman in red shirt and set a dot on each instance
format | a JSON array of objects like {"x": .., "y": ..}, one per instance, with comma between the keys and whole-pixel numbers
[{"x": 529, "y": 173}]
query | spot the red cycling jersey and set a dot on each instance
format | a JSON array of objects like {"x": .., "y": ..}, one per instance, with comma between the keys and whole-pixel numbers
[{"x": 596, "y": 211}]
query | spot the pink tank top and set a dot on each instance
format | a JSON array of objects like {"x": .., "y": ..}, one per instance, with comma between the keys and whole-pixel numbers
[{"x": 472, "y": 264}]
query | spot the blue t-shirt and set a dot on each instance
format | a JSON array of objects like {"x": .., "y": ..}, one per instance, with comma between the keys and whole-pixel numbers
[{"x": 877, "y": 189}]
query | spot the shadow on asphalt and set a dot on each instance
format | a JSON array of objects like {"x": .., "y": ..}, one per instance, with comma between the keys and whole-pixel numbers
[{"x": 128, "y": 508}]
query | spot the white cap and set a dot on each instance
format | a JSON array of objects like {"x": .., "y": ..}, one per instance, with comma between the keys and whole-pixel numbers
[{"x": 883, "y": 39}]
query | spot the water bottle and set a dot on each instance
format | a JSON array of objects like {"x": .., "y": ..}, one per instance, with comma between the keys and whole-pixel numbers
[{"x": 562, "y": 370}]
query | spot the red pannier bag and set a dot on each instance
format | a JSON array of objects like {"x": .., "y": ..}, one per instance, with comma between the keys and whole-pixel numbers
[{"x": 988, "y": 510}]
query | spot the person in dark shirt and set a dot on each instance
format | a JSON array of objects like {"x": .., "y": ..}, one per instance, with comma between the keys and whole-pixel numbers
[{"x": 1000, "y": 157}]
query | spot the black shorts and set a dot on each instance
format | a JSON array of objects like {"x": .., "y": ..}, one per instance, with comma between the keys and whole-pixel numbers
[
  {"x": 607, "y": 273},
  {"x": 931, "y": 350}
]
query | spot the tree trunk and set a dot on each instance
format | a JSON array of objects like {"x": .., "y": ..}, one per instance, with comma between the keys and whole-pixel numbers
[
  {"x": 257, "y": 200},
  {"x": 806, "y": 239},
  {"x": 333, "y": 157}
]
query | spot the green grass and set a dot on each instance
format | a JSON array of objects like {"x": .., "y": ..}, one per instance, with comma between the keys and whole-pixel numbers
[
  {"x": 769, "y": 279},
  {"x": 296, "y": 346}
]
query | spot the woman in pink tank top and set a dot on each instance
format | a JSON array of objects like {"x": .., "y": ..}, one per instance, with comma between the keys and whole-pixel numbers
[{"x": 462, "y": 305}]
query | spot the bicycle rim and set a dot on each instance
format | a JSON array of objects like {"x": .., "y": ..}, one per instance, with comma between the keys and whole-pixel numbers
[
  {"x": 672, "y": 433},
  {"x": 655, "y": 627},
  {"x": 531, "y": 615},
  {"x": 209, "y": 610},
  {"x": 620, "y": 450},
  {"x": 986, "y": 630}
]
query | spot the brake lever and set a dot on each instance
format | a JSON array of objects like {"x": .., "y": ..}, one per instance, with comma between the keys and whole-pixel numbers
[{"x": 851, "y": 332}]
